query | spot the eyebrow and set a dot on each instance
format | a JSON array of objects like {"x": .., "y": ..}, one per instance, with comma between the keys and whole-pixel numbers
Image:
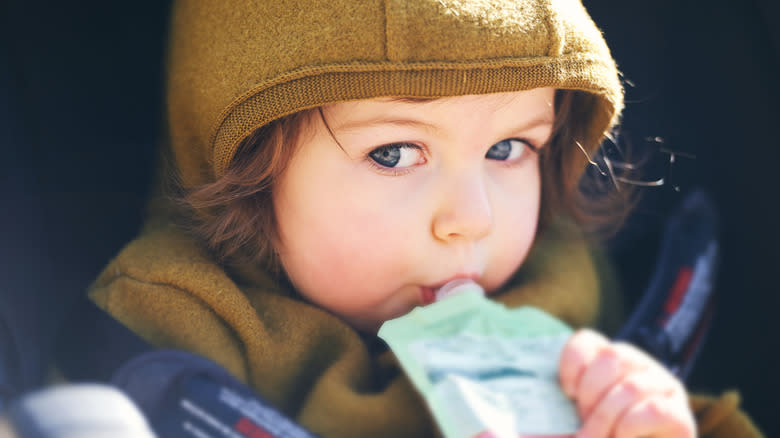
[
  {"x": 381, "y": 120},
  {"x": 537, "y": 121}
]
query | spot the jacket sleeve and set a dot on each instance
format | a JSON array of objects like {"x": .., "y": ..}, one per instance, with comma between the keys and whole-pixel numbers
[{"x": 720, "y": 417}]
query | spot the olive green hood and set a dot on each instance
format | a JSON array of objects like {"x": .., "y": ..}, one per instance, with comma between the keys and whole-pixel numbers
[{"x": 235, "y": 65}]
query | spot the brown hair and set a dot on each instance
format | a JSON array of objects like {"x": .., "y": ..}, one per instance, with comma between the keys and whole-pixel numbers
[
  {"x": 234, "y": 216},
  {"x": 574, "y": 185}
]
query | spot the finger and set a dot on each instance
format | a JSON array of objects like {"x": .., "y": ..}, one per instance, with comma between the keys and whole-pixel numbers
[
  {"x": 577, "y": 354},
  {"x": 611, "y": 365},
  {"x": 657, "y": 416},
  {"x": 629, "y": 391}
]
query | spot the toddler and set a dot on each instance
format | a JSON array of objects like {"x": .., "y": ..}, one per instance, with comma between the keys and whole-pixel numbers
[{"x": 338, "y": 161}]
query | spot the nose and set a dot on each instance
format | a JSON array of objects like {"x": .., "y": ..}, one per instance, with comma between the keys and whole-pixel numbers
[{"x": 464, "y": 212}]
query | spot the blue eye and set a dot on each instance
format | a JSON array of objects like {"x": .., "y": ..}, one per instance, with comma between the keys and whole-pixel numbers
[
  {"x": 507, "y": 150},
  {"x": 399, "y": 155}
]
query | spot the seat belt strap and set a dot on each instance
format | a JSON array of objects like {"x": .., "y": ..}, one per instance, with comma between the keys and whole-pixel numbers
[
  {"x": 180, "y": 394},
  {"x": 674, "y": 315}
]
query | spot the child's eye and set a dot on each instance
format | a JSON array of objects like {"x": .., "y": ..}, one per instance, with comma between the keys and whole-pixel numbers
[
  {"x": 507, "y": 150},
  {"x": 396, "y": 156}
]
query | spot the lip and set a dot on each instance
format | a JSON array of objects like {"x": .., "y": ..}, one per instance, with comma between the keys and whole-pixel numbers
[{"x": 428, "y": 293}]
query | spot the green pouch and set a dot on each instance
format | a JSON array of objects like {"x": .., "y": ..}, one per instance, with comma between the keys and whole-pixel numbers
[{"x": 483, "y": 369}]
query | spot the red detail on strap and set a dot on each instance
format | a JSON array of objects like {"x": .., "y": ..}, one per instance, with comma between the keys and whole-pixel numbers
[
  {"x": 678, "y": 290},
  {"x": 249, "y": 429}
]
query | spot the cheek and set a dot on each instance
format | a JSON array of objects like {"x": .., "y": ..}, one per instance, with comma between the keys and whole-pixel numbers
[
  {"x": 337, "y": 242},
  {"x": 516, "y": 218}
]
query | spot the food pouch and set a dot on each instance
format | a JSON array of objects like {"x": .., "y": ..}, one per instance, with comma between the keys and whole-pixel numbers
[{"x": 483, "y": 369}]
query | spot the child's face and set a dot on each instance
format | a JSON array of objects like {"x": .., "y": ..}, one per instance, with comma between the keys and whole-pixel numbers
[{"x": 405, "y": 196}]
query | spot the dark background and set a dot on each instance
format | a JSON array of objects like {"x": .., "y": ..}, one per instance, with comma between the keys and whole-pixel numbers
[
  {"x": 80, "y": 100},
  {"x": 705, "y": 78}
]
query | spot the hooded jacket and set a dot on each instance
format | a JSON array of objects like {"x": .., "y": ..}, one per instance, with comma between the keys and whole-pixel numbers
[{"x": 235, "y": 66}]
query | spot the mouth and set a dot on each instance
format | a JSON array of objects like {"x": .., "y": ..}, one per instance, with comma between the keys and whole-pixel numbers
[{"x": 428, "y": 293}]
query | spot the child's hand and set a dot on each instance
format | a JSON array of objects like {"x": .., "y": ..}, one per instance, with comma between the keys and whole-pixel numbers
[{"x": 621, "y": 392}]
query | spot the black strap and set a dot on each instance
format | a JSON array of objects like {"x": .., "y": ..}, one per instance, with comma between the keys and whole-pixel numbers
[{"x": 674, "y": 315}]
